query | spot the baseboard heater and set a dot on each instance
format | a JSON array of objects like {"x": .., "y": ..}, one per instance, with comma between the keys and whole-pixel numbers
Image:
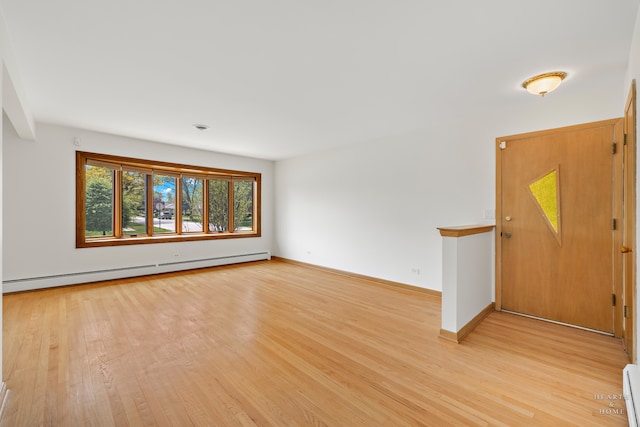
[
  {"x": 32, "y": 283},
  {"x": 631, "y": 390}
]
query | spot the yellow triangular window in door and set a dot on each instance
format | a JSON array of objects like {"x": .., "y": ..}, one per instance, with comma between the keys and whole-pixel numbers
[{"x": 546, "y": 193}]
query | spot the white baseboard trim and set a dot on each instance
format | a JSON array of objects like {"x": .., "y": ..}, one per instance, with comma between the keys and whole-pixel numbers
[{"x": 33, "y": 283}]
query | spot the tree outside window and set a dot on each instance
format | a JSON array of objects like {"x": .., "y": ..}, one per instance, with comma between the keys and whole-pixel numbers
[
  {"x": 242, "y": 205},
  {"x": 99, "y": 201}
]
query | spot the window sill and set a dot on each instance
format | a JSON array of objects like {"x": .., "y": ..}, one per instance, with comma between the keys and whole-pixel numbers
[{"x": 141, "y": 240}]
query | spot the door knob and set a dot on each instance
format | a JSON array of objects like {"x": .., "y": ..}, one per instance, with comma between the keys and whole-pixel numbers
[
  {"x": 625, "y": 250},
  {"x": 507, "y": 235}
]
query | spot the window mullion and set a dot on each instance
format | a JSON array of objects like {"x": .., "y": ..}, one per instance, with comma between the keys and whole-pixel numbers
[
  {"x": 205, "y": 206},
  {"x": 117, "y": 203},
  {"x": 150, "y": 206},
  {"x": 231, "y": 226},
  {"x": 178, "y": 208},
  {"x": 256, "y": 203}
]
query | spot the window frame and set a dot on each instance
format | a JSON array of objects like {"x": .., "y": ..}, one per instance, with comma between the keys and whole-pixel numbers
[
  {"x": 120, "y": 163},
  {"x": 126, "y": 168}
]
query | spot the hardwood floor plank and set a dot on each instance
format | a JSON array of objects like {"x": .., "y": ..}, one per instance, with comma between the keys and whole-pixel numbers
[{"x": 278, "y": 344}]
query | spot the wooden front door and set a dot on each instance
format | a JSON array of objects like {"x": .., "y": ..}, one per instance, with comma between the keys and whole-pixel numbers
[{"x": 555, "y": 211}]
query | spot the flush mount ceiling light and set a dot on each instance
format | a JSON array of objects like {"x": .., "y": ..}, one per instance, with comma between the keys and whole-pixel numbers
[
  {"x": 544, "y": 83},
  {"x": 201, "y": 127}
]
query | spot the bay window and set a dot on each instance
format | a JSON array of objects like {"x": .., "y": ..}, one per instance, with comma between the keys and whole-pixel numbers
[{"x": 123, "y": 201}]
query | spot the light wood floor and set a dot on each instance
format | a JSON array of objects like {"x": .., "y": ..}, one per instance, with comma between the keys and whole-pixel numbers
[{"x": 276, "y": 344}]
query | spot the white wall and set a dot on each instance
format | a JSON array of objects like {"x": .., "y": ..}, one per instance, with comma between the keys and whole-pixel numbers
[
  {"x": 373, "y": 208},
  {"x": 39, "y": 205},
  {"x": 467, "y": 282},
  {"x": 634, "y": 73},
  {"x": 12, "y": 99}
]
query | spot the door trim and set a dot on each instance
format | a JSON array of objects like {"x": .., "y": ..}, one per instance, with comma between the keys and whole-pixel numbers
[{"x": 629, "y": 221}]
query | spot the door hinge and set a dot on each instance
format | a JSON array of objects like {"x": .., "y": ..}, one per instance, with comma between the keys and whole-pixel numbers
[
  {"x": 613, "y": 299},
  {"x": 503, "y": 145},
  {"x": 624, "y": 311},
  {"x": 614, "y": 224},
  {"x": 614, "y": 148}
]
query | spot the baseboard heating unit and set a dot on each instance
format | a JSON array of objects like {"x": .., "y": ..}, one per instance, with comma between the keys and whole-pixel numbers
[
  {"x": 33, "y": 283},
  {"x": 631, "y": 390}
]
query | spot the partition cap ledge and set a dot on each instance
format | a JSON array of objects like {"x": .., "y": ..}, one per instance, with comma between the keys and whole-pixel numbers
[{"x": 465, "y": 230}]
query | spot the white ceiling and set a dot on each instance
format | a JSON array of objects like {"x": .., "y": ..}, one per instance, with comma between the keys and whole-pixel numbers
[{"x": 276, "y": 79}]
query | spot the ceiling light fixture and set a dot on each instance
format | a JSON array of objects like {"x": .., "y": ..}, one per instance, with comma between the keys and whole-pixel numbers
[
  {"x": 201, "y": 127},
  {"x": 544, "y": 83}
]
